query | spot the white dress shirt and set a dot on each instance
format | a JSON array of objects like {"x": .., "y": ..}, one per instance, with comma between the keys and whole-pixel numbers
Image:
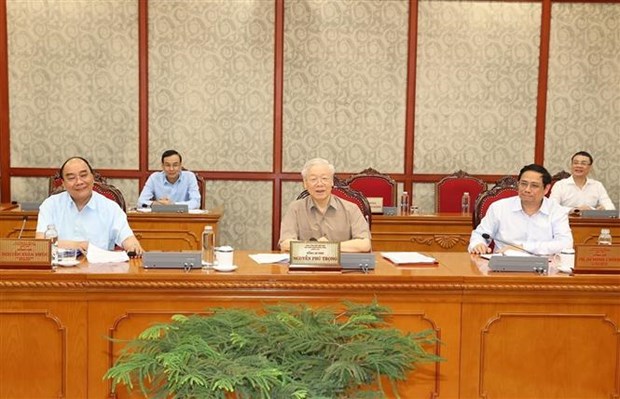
[
  {"x": 546, "y": 232},
  {"x": 101, "y": 222},
  {"x": 184, "y": 191},
  {"x": 593, "y": 194}
]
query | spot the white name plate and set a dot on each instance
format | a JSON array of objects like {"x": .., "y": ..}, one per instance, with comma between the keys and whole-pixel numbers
[{"x": 376, "y": 204}]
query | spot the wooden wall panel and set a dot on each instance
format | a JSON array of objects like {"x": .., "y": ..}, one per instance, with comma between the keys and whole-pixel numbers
[{"x": 43, "y": 350}]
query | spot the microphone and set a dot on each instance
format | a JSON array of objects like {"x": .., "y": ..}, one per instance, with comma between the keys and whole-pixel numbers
[
  {"x": 21, "y": 231},
  {"x": 488, "y": 237}
]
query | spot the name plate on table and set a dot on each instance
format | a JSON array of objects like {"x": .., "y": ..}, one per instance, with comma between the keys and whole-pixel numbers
[
  {"x": 599, "y": 214},
  {"x": 376, "y": 204},
  {"x": 597, "y": 259},
  {"x": 173, "y": 208},
  {"x": 316, "y": 256},
  {"x": 536, "y": 264},
  {"x": 25, "y": 253}
]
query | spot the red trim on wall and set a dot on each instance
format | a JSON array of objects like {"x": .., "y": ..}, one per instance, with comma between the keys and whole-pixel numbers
[
  {"x": 143, "y": 89},
  {"x": 278, "y": 104},
  {"x": 411, "y": 91},
  {"x": 5, "y": 142},
  {"x": 543, "y": 74}
]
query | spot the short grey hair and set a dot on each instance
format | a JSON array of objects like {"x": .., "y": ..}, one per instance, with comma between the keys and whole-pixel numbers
[{"x": 314, "y": 162}]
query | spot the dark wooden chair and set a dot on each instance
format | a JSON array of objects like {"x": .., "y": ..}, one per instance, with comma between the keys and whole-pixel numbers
[
  {"x": 450, "y": 189},
  {"x": 373, "y": 183},
  {"x": 100, "y": 185},
  {"x": 348, "y": 194},
  {"x": 201, "y": 189},
  {"x": 503, "y": 188}
]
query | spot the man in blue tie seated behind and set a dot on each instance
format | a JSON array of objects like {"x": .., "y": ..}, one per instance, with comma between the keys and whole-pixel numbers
[
  {"x": 82, "y": 216},
  {"x": 529, "y": 222},
  {"x": 322, "y": 216},
  {"x": 172, "y": 185}
]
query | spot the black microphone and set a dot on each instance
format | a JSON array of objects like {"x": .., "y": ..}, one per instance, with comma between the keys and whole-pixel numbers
[
  {"x": 488, "y": 237},
  {"x": 24, "y": 219}
]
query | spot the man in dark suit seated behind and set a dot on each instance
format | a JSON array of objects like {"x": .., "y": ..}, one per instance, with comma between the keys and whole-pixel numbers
[{"x": 322, "y": 216}]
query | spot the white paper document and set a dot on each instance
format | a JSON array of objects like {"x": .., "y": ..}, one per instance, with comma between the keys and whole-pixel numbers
[
  {"x": 408, "y": 257},
  {"x": 197, "y": 211},
  {"x": 95, "y": 254},
  {"x": 270, "y": 258}
]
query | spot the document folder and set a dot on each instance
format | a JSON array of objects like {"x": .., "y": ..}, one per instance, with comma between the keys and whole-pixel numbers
[{"x": 537, "y": 264}]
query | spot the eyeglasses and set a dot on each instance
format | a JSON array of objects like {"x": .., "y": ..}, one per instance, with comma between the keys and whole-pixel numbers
[
  {"x": 71, "y": 178},
  {"x": 314, "y": 180},
  {"x": 533, "y": 185},
  {"x": 582, "y": 163}
]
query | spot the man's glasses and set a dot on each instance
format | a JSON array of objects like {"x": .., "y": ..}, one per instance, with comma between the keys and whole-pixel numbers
[
  {"x": 71, "y": 178},
  {"x": 314, "y": 180},
  {"x": 533, "y": 185},
  {"x": 582, "y": 163}
]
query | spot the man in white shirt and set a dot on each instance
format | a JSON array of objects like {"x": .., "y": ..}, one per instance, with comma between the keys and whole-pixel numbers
[
  {"x": 82, "y": 216},
  {"x": 171, "y": 185},
  {"x": 578, "y": 192},
  {"x": 529, "y": 222}
]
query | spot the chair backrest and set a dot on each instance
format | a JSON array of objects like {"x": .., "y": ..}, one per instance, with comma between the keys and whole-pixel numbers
[
  {"x": 373, "y": 183},
  {"x": 450, "y": 189},
  {"x": 201, "y": 189},
  {"x": 100, "y": 185},
  {"x": 348, "y": 194},
  {"x": 503, "y": 188},
  {"x": 557, "y": 177}
]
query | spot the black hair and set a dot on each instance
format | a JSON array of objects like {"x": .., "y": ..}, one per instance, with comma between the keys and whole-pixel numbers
[
  {"x": 583, "y": 154},
  {"x": 169, "y": 153},
  {"x": 546, "y": 177},
  {"x": 62, "y": 168}
]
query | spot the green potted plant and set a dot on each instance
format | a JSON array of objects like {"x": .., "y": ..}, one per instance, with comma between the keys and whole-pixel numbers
[{"x": 286, "y": 351}]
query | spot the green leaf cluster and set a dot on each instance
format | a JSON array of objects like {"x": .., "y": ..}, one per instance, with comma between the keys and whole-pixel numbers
[{"x": 285, "y": 351}]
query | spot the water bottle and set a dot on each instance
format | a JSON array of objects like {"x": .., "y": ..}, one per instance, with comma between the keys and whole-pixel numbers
[
  {"x": 605, "y": 237},
  {"x": 404, "y": 203},
  {"x": 465, "y": 203},
  {"x": 208, "y": 245},
  {"x": 52, "y": 235}
]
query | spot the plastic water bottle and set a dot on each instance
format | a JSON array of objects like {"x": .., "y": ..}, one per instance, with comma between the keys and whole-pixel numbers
[
  {"x": 52, "y": 235},
  {"x": 465, "y": 203},
  {"x": 208, "y": 245},
  {"x": 605, "y": 237},
  {"x": 404, "y": 203}
]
